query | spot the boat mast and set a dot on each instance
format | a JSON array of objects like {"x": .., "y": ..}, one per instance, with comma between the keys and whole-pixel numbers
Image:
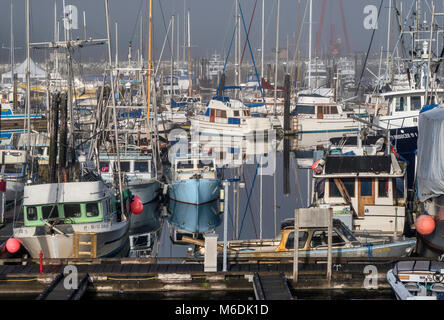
[
  {"x": 263, "y": 39},
  {"x": 28, "y": 93},
  {"x": 12, "y": 45},
  {"x": 149, "y": 66},
  {"x": 172, "y": 59},
  {"x": 276, "y": 57},
  {"x": 309, "y": 46},
  {"x": 189, "y": 57},
  {"x": 116, "y": 136}
]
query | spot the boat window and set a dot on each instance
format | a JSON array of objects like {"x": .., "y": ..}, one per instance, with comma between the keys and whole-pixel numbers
[
  {"x": 383, "y": 185},
  {"x": 399, "y": 104},
  {"x": 247, "y": 113},
  {"x": 305, "y": 109},
  {"x": 50, "y": 212},
  {"x": 320, "y": 239},
  {"x": 141, "y": 166},
  {"x": 13, "y": 168},
  {"x": 345, "y": 232},
  {"x": 349, "y": 184},
  {"x": 92, "y": 210},
  {"x": 334, "y": 110},
  {"x": 236, "y": 113},
  {"x": 124, "y": 166},
  {"x": 366, "y": 187},
  {"x": 415, "y": 103},
  {"x": 72, "y": 210},
  {"x": 205, "y": 163},
  {"x": 31, "y": 213},
  {"x": 221, "y": 113},
  {"x": 303, "y": 235},
  {"x": 185, "y": 165}
]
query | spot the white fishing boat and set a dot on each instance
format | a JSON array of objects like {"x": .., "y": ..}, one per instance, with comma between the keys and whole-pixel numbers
[
  {"x": 138, "y": 174},
  {"x": 225, "y": 116},
  {"x": 73, "y": 219},
  {"x": 316, "y": 119},
  {"x": 14, "y": 172}
]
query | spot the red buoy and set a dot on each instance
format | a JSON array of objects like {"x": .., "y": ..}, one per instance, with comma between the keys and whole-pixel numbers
[
  {"x": 12, "y": 245},
  {"x": 136, "y": 205},
  {"x": 425, "y": 224}
]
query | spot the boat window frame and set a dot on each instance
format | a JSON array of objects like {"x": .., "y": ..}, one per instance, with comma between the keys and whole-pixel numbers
[
  {"x": 291, "y": 234},
  {"x": 325, "y": 232}
]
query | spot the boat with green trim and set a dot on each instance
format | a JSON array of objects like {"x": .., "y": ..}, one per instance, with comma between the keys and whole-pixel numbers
[{"x": 73, "y": 220}]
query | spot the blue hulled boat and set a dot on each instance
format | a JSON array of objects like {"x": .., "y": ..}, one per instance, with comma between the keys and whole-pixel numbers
[{"x": 194, "y": 180}]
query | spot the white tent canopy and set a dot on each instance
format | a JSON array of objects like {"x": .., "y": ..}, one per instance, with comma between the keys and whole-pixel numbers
[{"x": 37, "y": 73}]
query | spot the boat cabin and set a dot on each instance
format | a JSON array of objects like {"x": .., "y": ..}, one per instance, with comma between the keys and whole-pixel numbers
[
  {"x": 316, "y": 238},
  {"x": 67, "y": 203},
  {"x": 369, "y": 192},
  {"x": 185, "y": 167},
  {"x": 226, "y": 110},
  {"x": 132, "y": 166},
  {"x": 317, "y": 106},
  {"x": 14, "y": 162}
]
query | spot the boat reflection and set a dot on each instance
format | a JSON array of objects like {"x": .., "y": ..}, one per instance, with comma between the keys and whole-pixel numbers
[{"x": 192, "y": 220}]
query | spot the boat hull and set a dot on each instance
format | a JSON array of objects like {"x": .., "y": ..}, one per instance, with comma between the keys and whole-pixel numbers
[
  {"x": 194, "y": 191},
  {"x": 147, "y": 191},
  {"x": 391, "y": 250},
  {"x": 112, "y": 239},
  {"x": 193, "y": 219}
]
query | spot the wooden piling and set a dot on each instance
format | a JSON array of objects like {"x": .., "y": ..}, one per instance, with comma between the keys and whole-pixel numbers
[{"x": 54, "y": 122}]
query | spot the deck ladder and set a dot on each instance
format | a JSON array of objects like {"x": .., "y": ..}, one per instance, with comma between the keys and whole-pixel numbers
[{"x": 84, "y": 245}]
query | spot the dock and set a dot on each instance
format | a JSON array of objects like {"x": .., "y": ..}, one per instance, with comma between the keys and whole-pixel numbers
[{"x": 271, "y": 287}]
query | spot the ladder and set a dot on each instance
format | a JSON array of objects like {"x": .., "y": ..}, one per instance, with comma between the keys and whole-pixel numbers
[{"x": 83, "y": 240}]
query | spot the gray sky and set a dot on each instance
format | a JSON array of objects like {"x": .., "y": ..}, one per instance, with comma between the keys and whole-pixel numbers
[{"x": 212, "y": 23}]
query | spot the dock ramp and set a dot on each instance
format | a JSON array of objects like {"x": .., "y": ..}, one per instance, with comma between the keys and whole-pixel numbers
[
  {"x": 56, "y": 289},
  {"x": 271, "y": 287}
]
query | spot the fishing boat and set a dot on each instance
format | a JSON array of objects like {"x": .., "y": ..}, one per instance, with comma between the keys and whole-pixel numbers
[
  {"x": 138, "y": 174},
  {"x": 14, "y": 173},
  {"x": 315, "y": 74},
  {"x": 229, "y": 117},
  {"x": 317, "y": 118},
  {"x": 72, "y": 220},
  {"x": 313, "y": 244},
  {"x": 368, "y": 192},
  {"x": 417, "y": 280},
  {"x": 430, "y": 182},
  {"x": 193, "y": 179}
]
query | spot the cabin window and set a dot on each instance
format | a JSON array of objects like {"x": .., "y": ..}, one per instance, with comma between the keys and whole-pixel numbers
[
  {"x": 72, "y": 210},
  {"x": 13, "y": 168},
  {"x": 141, "y": 166},
  {"x": 303, "y": 235},
  {"x": 247, "y": 113},
  {"x": 415, "y": 103},
  {"x": 399, "y": 188},
  {"x": 31, "y": 213},
  {"x": 320, "y": 239},
  {"x": 185, "y": 165},
  {"x": 366, "y": 187},
  {"x": 383, "y": 185},
  {"x": 221, "y": 113},
  {"x": 349, "y": 184},
  {"x": 399, "y": 104},
  {"x": 236, "y": 113},
  {"x": 204, "y": 163},
  {"x": 50, "y": 211},
  {"x": 124, "y": 166},
  {"x": 334, "y": 110},
  {"x": 92, "y": 210},
  {"x": 305, "y": 109}
]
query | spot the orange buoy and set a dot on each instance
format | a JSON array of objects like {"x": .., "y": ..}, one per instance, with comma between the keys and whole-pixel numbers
[
  {"x": 425, "y": 224},
  {"x": 136, "y": 205},
  {"x": 12, "y": 245}
]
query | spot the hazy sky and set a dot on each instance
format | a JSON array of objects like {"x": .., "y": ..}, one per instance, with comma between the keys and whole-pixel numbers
[{"x": 212, "y": 23}]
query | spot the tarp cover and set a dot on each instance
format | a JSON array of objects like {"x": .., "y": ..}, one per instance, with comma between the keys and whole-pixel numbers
[{"x": 430, "y": 172}]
